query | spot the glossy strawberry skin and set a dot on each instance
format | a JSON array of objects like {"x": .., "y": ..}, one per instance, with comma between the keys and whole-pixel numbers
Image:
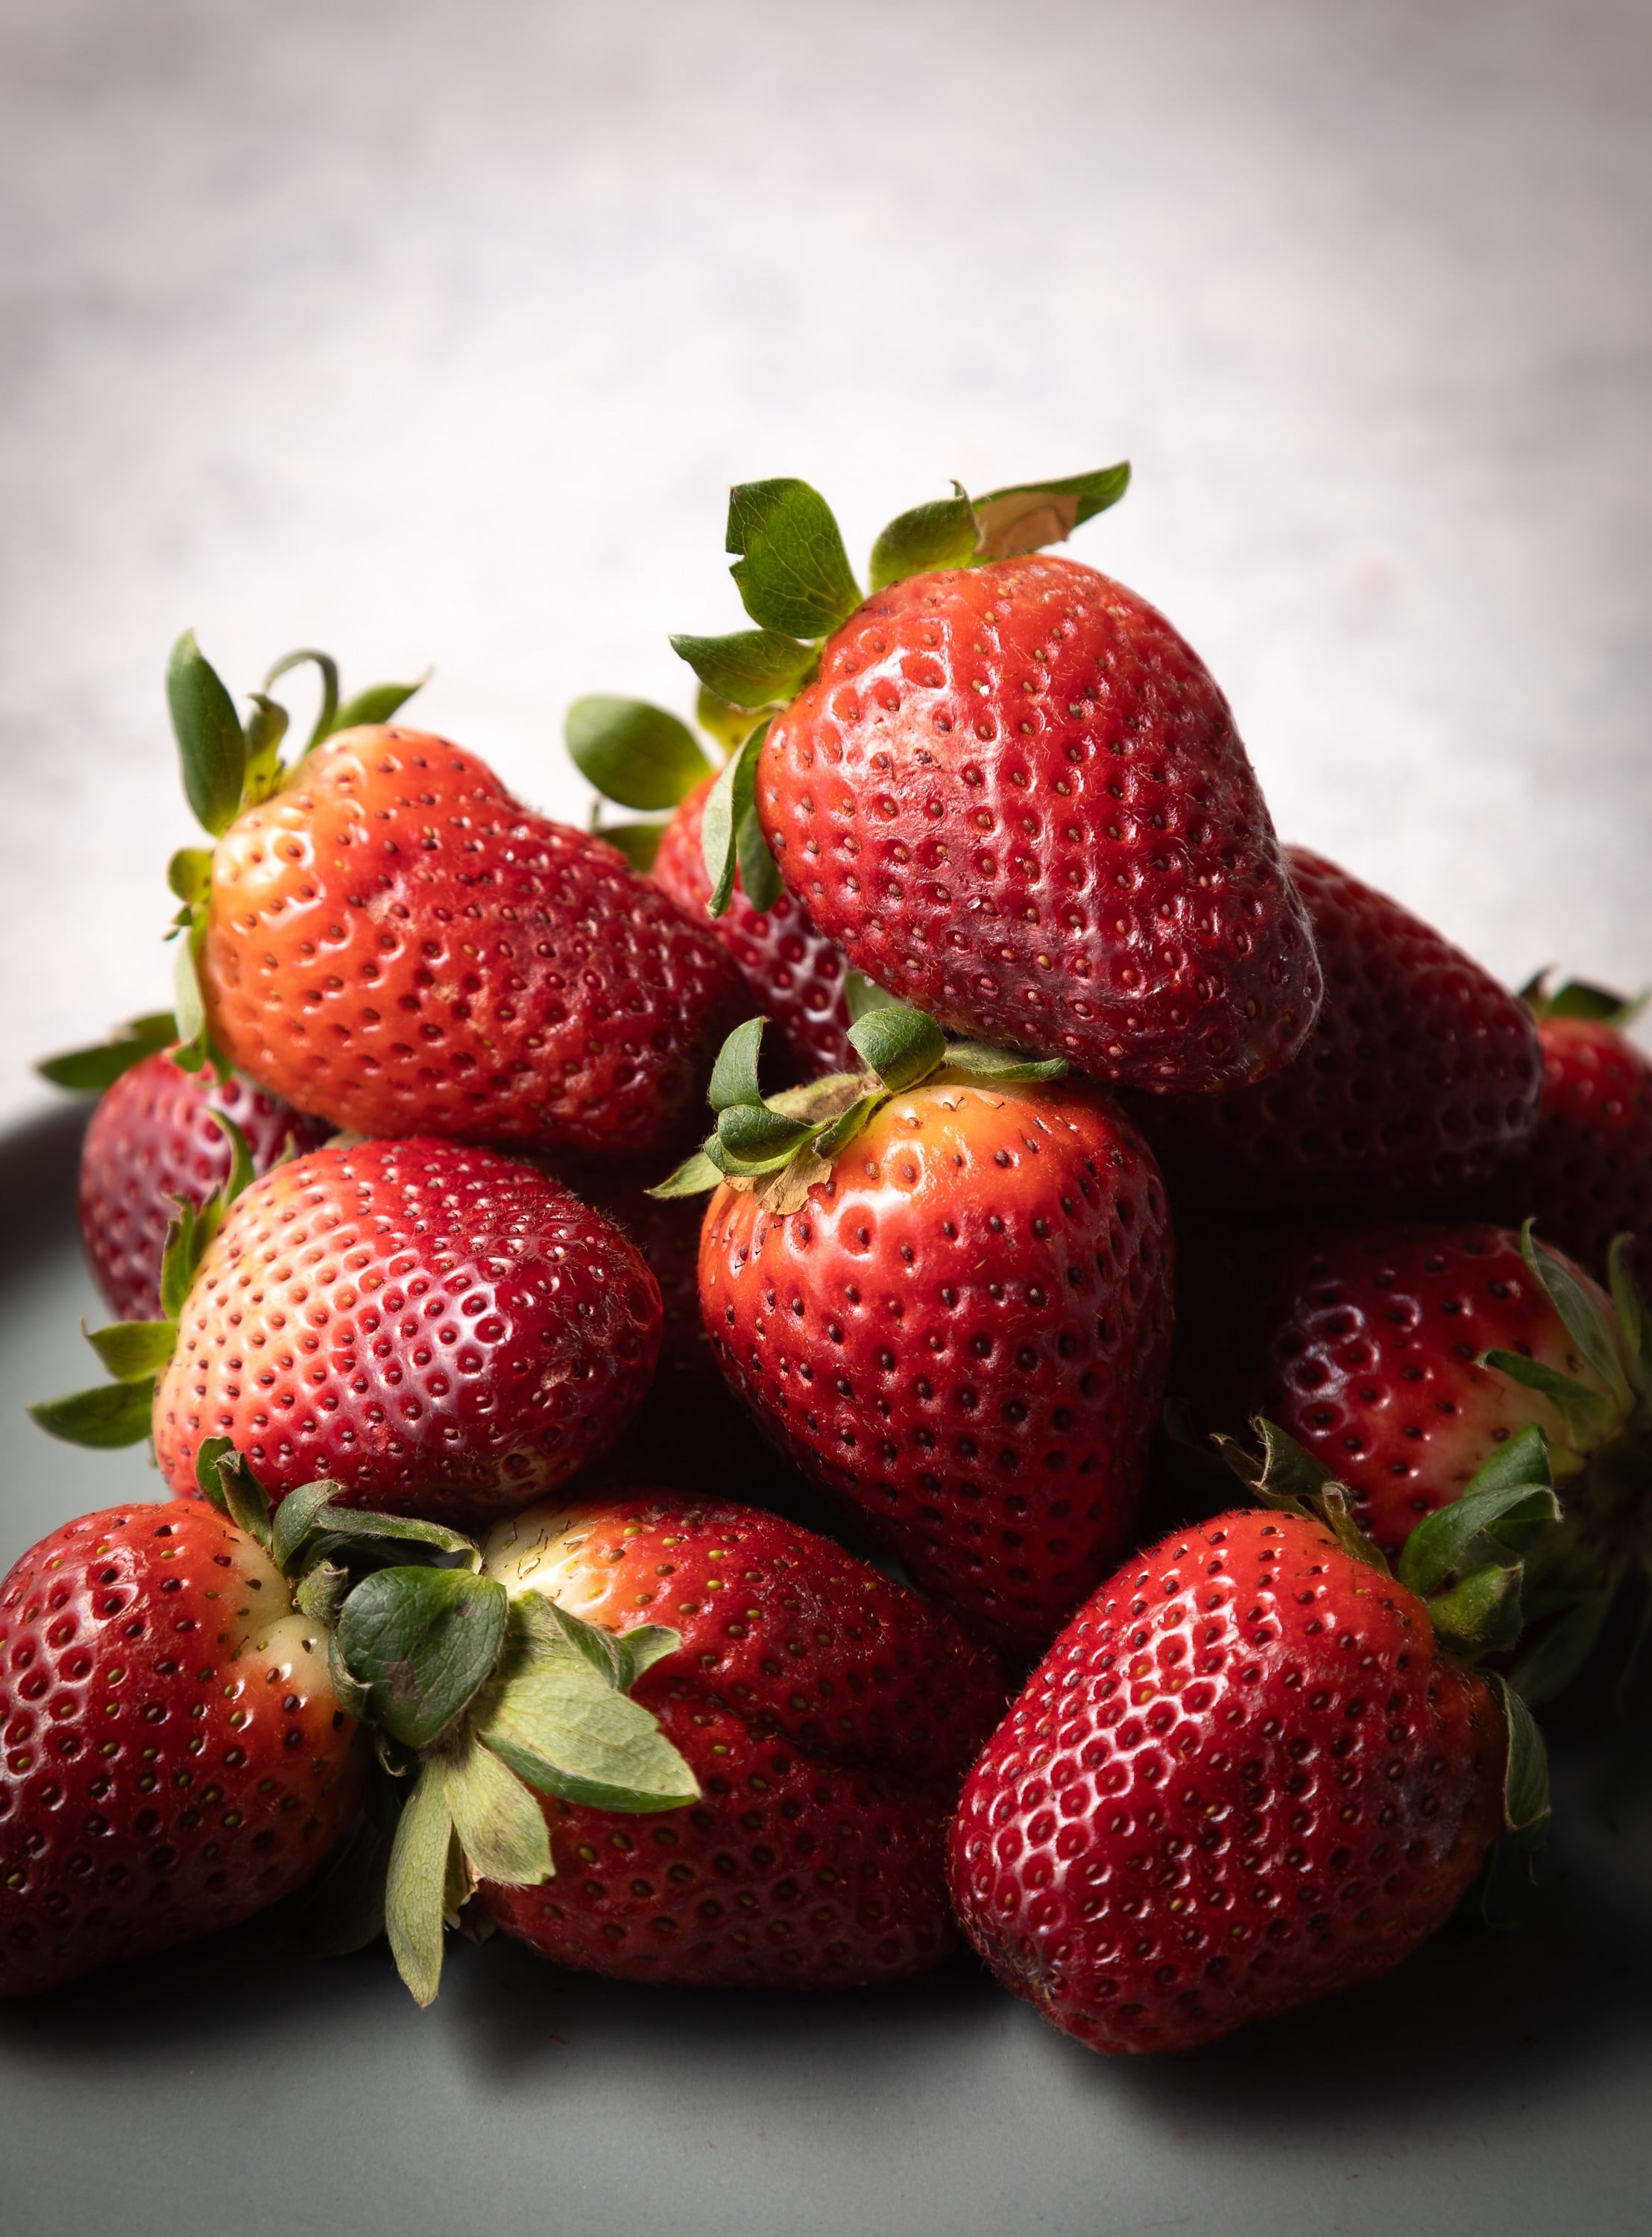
[
  {"x": 1362, "y": 1341},
  {"x": 1016, "y": 799},
  {"x": 964, "y": 1335},
  {"x": 173, "y": 1755},
  {"x": 1585, "y": 1175},
  {"x": 446, "y": 1331},
  {"x": 1243, "y": 1778},
  {"x": 396, "y": 943},
  {"x": 1421, "y": 1075},
  {"x": 829, "y": 1715},
  {"x": 152, "y": 1139},
  {"x": 796, "y": 975}
]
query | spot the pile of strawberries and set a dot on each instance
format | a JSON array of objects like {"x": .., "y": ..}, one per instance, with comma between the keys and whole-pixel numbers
[{"x": 640, "y": 1549}]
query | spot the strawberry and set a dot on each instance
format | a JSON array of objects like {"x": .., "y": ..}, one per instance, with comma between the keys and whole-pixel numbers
[
  {"x": 174, "y": 1756},
  {"x": 446, "y": 1331},
  {"x": 1250, "y": 1772},
  {"x": 384, "y": 936},
  {"x": 942, "y": 1284},
  {"x": 1405, "y": 1356},
  {"x": 155, "y": 1138},
  {"x": 829, "y": 1717},
  {"x": 644, "y": 757},
  {"x": 1585, "y": 1174},
  {"x": 1008, "y": 790},
  {"x": 1420, "y": 1074}
]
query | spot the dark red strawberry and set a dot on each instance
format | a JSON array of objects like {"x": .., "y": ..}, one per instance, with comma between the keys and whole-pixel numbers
[
  {"x": 174, "y": 1757},
  {"x": 1421, "y": 1075},
  {"x": 946, "y": 1292},
  {"x": 1585, "y": 1175},
  {"x": 1249, "y": 1774},
  {"x": 828, "y": 1715},
  {"x": 152, "y": 1139},
  {"x": 1403, "y": 1357},
  {"x": 446, "y": 1331},
  {"x": 1009, "y": 791}
]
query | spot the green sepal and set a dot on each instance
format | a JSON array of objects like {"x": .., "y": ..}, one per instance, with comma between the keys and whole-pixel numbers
[
  {"x": 944, "y": 533},
  {"x": 978, "y": 1061},
  {"x": 365, "y": 1528},
  {"x": 1287, "y": 1477},
  {"x": 1577, "y": 999},
  {"x": 195, "y": 1041},
  {"x": 241, "y": 1173},
  {"x": 208, "y": 1482},
  {"x": 1029, "y": 514},
  {"x": 734, "y": 1077},
  {"x": 1633, "y": 1322},
  {"x": 297, "y": 1517},
  {"x": 211, "y": 750},
  {"x": 835, "y": 1136},
  {"x": 354, "y": 1698},
  {"x": 189, "y": 874},
  {"x": 416, "y": 1886},
  {"x": 730, "y": 800},
  {"x": 861, "y": 994},
  {"x": 759, "y": 874},
  {"x": 1452, "y": 1540},
  {"x": 133, "y": 1351},
  {"x": 322, "y": 1590},
  {"x": 754, "y": 1137},
  {"x": 246, "y": 1501},
  {"x": 1587, "y": 1325},
  {"x": 89, "y": 1071},
  {"x": 113, "y": 1415},
  {"x": 1480, "y": 1614},
  {"x": 633, "y": 754},
  {"x": 752, "y": 668},
  {"x": 1521, "y": 1459},
  {"x": 379, "y": 702},
  {"x": 721, "y": 718},
  {"x": 265, "y": 728},
  {"x": 541, "y": 1627},
  {"x": 1525, "y": 1781},
  {"x": 638, "y": 842},
  {"x": 902, "y": 1046},
  {"x": 792, "y": 573},
  {"x": 1589, "y": 1415},
  {"x": 561, "y": 1727},
  {"x": 693, "y": 1177},
  {"x": 185, "y": 1244},
  {"x": 327, "y": 668},
  {"x": 423, "y": 1642},
  {"x": 501, "y": 1827}
]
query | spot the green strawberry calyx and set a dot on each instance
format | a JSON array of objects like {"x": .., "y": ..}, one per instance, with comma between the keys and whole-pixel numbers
[
  {"x": 479, "y": 1702},
  {"x": 228, "y": 766},
  {"x": 795, "y": 583},
  {"x": 781, "y": 1146},
  {"x": 1576, "y": 998},
  {"x": 639, "y": 757},
  {"x": 89, "y": 1071},
  {"x": 1465, "y": 1563}
]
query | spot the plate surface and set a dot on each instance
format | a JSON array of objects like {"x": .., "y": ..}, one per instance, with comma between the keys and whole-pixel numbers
[{"x": 1500, "y": 2083}]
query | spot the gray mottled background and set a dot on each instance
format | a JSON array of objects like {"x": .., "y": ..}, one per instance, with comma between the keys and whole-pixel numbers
[{"x": 434, "y": 333}]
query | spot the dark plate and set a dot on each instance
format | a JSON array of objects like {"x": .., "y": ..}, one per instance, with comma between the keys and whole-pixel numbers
[{"x": 1502, "y": 2082}]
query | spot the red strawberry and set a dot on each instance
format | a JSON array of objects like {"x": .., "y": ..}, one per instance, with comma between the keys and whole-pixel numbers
[
  {"x": 152, "y": 1139},
  {"x": 1420, "y": 1074},
  {"x": 446, "y": 1331},
  {"x": 1246, "y": 1776},
  {"x": 1585, "y": 1175},
  {"x": 174, "y": 1756},
  {"x": 957, "y": 1317},
  {"x": 829, "y": 1715},
  {"x": 795, "y": 974}
]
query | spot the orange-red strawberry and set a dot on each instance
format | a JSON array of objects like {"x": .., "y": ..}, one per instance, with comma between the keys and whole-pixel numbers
[
  {"x": 953, "y": 1310},
  {"x": 1246, "y": 1776},
  {"x": 829, "y": 1716},
  {"x": 174, "y": 1757},
  {"x": 1421, "y": 1075},
  {"x": 153, "y": 1139},
  {"x": 1585, "y": 1174}
]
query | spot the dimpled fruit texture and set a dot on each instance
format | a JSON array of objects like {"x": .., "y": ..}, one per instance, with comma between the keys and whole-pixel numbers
[
  {"x": 152, "y": 1138},
  {"x": 447, "y": 1332},
  {"x": 1421, "y": 1075},
  {"x": 1017, "y": 799},
  {"x": 1362, "y": 1341},
  {"x": 964, "y": 1333},
  {"x": 1585, "y": 1176},
  {"x": 795, "y": 974},
  {"x": 1243, "y": 1778},
  {"x": 174, "y": 1757},
  {"x": 829, "y": 1716},
  {"x": 397, "y": 943}
]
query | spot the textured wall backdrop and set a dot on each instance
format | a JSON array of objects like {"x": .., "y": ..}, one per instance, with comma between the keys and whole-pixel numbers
[{"x": 433, "y": 333}]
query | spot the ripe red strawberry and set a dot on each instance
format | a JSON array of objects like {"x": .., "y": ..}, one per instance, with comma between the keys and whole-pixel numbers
[
  {"x": 174, "y": 1756},
  {"x": 795, "y": 974},
  {"x": 447, "y": 1332},
  {"x": 1421, "y": 1073},
  {"x": 151, "y": 1139},
  {"x": 1585, "y": 1174},
  {"x": 957, "y": 1319},
  {"x": 1246, "y": 1776},
  {"x": 829, "y": 1716}
]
